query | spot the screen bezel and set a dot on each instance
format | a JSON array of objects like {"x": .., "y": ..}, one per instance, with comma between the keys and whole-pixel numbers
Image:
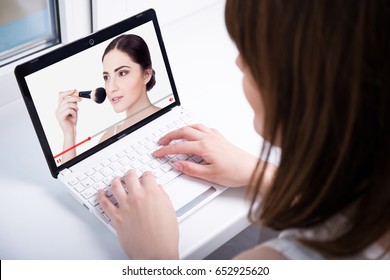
[{"x": 23, "y": 70}]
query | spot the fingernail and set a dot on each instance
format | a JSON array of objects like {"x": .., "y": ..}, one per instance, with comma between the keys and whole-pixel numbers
[
  {"x": 178, "y": 166},
  {"x": 130, "y": 171}
]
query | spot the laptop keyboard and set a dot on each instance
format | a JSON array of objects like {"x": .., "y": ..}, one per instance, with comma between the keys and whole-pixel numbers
[{"x": 137, "y": 156}]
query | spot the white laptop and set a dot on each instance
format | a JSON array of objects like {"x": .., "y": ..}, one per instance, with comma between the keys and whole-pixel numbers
[{"x": 97, "y": 160}]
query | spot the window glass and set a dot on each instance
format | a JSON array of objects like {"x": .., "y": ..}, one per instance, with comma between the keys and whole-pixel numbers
[{"x": 27, "y": 26}]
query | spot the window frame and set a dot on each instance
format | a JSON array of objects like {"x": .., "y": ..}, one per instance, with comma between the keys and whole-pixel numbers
[
  {"x": 74, "y": 22},
  {"x": 37, "y": 45}
]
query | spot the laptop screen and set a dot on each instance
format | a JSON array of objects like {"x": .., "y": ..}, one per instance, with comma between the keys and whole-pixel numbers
[{"x": 92, "y": 92}]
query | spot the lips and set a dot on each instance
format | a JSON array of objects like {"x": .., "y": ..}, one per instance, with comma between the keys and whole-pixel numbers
[{"x": 116, "y": 99}]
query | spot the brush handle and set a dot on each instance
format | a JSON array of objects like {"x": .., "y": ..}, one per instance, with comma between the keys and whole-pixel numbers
[{"x": 85, "y": 94}]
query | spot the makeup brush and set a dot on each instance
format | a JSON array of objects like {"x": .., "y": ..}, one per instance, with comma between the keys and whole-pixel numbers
[{"x": 98, "y": 95}]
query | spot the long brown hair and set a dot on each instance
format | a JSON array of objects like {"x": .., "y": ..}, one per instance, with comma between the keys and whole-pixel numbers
[{"x": 323, "y": 70}]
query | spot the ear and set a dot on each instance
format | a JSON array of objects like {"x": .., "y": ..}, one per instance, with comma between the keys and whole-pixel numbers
[{"x": 147, "y": 75}]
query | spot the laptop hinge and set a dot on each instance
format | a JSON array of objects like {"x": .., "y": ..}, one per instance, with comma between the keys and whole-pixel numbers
[{"x": 65, "y": 171}]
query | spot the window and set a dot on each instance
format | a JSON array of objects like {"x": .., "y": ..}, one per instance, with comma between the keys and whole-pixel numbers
[{"x": 27, "y": 27}]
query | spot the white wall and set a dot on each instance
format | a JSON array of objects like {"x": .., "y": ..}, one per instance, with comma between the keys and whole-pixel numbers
[{"x": 107, "y": 12}]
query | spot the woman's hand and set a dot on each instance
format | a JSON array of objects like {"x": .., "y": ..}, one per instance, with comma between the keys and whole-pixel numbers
[
  {"x": 66, "y": 112},
  {"x": 224, "y": 163},
  {"x": 145, "y": 220}
]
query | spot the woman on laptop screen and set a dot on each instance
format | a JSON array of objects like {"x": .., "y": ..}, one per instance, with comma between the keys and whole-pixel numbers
[
  {"x": 128, "y": 76},
  {"x": 316, "y": 74}
]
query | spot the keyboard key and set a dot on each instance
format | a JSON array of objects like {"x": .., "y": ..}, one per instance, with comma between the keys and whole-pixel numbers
[
  {"x": 151, "y": 146},
  {"x": 108, "y": 191},
  {"x": 79, "y": 187},
  {"x": 158, "y": 134},
  {"x": 66, "y": 172},
  {"x": 145, "y": 168},
  {"x": 136, "y": 164},
  {"x": 119, "y": 173},
  {"x": 182, "y": 157},
  {"x": 150, "y": 137},
  {"x": 171, "y": 156},
  {"x": 106, "y": 171},
  {"x": 126, "y": 168},
  {"x": 143, "y": 141},
  {"x": 145, "y": 159},
  {"x": 99, "y": 209},
  {"x": 133, "y": 155},
  {"x": 88, "y": 183},
  {"x": 172, "y": 160},
  {"x": 167, "y": 177},
  {"x": 113, "y": 158},
  {"x": 106, "y": 217},
  {"x": 166, "y": 167},
  {"x": 98, "y": 167},
  {"x": 115, "y": 166},
  {"x": 94, "y": 200},
  {"x": 107, "y": 181},
  {"x": 81, "y": 176},
  {"x": 158, "y": 172},
  {"x": 162, "y": 160},
  {"x": 136, "y": 146},
  {"x": 164, "y": 129},
  {"x": 128, "y": 149},
  {"x": 113, "y": 200},
  {"x": 170, "y": 125},
  {"x": 191, "y": 160},
  {"x": 97, "y": 177},
  {"x": 90, "y": 172},
  {"x": 73, "y": 181},
  {"x": 124, "y": 161},
  {"x": 179, "y": 123},
  {"x": 106, "y": 162},
  {"x": 139, "y": 173},
  {"x": 154, "y": 163},
  {"x": 99, "y": 186},
  {"x": 142, "y": 150},
  {"x": 121, "y": 154},
  {"x": 88, "y": 193},
  {"x": 197, "y": 158}
]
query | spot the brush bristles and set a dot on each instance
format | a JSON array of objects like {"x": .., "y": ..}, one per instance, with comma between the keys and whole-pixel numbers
[{"x": 98, "y": 95}]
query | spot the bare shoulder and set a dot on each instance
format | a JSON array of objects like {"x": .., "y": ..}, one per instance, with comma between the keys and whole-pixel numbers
[{"x": 260, "y": 253}]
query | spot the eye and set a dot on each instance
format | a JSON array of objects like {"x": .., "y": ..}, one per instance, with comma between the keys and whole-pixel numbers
[
  {"x": 122, "y": 73},
  {"x": 106, "y": 77}
]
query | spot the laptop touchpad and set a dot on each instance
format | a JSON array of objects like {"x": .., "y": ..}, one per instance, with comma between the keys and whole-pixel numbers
[{"x": 186, "y": 193}]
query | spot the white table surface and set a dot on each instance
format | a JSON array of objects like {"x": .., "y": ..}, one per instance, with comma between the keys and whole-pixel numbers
[{"x": 40, "y": 220}]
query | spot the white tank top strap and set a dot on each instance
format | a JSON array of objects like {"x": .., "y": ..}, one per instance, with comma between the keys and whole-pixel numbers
[
  {"x": 287, "y": 242},
  {"x": 116, "y": 129},
  {"x": 292, "y": 249}
]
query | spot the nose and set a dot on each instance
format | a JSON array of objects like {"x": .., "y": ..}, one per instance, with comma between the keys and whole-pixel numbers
[
  {"x": 111, "y": 85},
  {"x": 240, "y": 63}
]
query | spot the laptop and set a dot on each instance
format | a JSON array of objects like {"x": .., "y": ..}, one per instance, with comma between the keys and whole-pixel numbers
[{"x": 112, "y": 134}]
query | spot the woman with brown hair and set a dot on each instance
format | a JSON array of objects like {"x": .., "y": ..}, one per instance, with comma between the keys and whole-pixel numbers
[
  {"x": 316, "y": 74},
  {"x": 128, "y": 77}
]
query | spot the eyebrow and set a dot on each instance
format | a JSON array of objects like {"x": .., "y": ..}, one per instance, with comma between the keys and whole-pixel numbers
[{"x": 117, "y": 69}]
